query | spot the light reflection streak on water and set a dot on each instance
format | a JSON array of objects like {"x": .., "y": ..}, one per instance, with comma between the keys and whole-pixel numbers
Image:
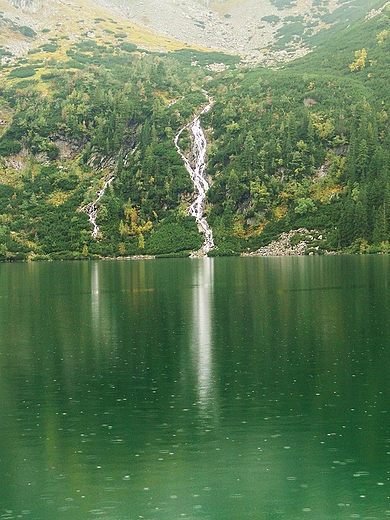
[
  {"x": 95, "y": 286},
  {"x": 103, "y": 326},
  {"x": 203, "y": 283}
]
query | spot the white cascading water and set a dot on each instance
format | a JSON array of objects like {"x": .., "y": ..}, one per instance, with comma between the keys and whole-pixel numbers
[
  {"x": 91, "y": 209},
  {"x": 198, "y": 176}
]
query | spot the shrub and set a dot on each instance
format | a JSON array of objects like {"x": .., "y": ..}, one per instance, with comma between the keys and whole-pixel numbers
[
  {"x": 49, "y": 47},
  {"x": 25, "y": 83},
  {"x": 52, "y": 151},
  {"x": 49, "y": 75},
  {"x": 128, "y": 47},
  {"x": 26, "y": 31},
  {"x": 272, "y": 18},
  {"x": 22, "y": 72},
  {"x": 9, "y": 147},
  {"x": 173, "y": 237}
]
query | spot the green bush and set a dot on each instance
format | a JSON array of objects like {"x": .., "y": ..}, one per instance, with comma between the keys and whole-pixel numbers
[
  {"x": 48, "y": 76},
  {"x": 4, "y": 52},
  {"x": 49, "y": 47},
  {"x": 272, "y": 18},
  {"x": 173, "y": 237},
  {"x": 26, "y": 31},
  {"x": 9, "y": 147},
  {"x": 128, "y": 47},
  {"x": 25, "y": 83},
  {"x": 22, "y": 72},
  {"x": 282, "y": 4}
]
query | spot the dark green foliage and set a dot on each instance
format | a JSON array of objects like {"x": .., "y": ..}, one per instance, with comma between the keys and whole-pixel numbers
[
  {"x": 6, "y": 192},
  {"x": 291, "y": 29},
  {"x": 86, "y": 45},
  {"x": 174, "y": 237},
  {"x": 49, "y": 47},
  {"x": 49, "y": 76},
  {"x": 9, "y": 146},
  {"x": 26, "y": 31},
  {"x": 112, "y": 113},
  {"x": 283, "y": 4},
  {"x": 22, "y": 72},
  {"x": 128, "y": 47},
  {"x": 265, "y": 156},
  {"x": 25, "y": 83},
  {"x": 188, "y": 56},
  {"x": 272, "y": 18},
  {"x": 5, "y": 52}
]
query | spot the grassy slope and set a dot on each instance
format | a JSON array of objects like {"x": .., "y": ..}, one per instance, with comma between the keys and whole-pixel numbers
[
  {"x": 334, "y": 56},
  {"x": 74, "y": 19}
]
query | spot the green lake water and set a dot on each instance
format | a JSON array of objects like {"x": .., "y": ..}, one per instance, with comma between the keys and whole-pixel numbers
[{"x": 210, "y": 389}]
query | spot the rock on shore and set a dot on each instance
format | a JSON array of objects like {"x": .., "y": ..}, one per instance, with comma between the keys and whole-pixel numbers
[{"x": 296, "y": 242}]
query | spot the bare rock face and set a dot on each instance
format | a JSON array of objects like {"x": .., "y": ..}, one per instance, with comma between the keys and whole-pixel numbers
[
  {"x": 244, "y": 27},
  {"x": 253, "y": 29},
  {"x": 239, "y": 30},
  {"x": 30, "y": 6}
]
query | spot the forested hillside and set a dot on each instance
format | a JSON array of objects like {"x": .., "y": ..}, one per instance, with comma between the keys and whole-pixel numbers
[
  {"x": 303, "y": 146},
  {"x": 307, "y": 145}
]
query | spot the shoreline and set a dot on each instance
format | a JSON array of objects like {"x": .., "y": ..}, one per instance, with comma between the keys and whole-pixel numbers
[
  {"x": 189, "y": 257},
  {"x": 297, "y": 242}
]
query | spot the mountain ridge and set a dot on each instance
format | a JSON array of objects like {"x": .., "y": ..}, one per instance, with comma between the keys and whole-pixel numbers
[
  {"x": 71, "y": 19},
  {"x": 266, "y": 32}
]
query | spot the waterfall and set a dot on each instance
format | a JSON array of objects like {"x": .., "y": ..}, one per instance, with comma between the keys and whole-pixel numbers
[
  {"x": 198, "y": 176},
  {"x": 91, "y": 209}
]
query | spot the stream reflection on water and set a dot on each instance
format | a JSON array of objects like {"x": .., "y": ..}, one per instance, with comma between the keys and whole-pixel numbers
[{"x": 214, "y": 389}]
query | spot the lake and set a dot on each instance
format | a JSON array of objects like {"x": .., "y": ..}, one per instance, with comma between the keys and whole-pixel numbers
[{"x": 210, "y": 389}]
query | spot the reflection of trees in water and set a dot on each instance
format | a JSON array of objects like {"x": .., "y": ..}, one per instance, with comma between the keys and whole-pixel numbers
[{"x": 284, "y": 361}]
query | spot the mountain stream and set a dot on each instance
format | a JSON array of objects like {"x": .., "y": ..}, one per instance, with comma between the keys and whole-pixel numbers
[
  {"x": 91, "y": 209},
  {"x": 198, "y": 177}
]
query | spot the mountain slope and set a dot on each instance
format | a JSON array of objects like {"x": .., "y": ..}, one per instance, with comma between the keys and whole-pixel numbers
[
  {"x": 309, "y": 146},
  {"x": 261, "y": 31},
  {"x": 306, "y": 146},
  {"x": 26, "y": 24}
]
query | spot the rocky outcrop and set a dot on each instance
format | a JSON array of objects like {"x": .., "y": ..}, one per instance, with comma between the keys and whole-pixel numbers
[
  {"x": 29, "y": 6},
  {"x": 375, "y": 12},
  {"x": 297, "y": 242}
]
